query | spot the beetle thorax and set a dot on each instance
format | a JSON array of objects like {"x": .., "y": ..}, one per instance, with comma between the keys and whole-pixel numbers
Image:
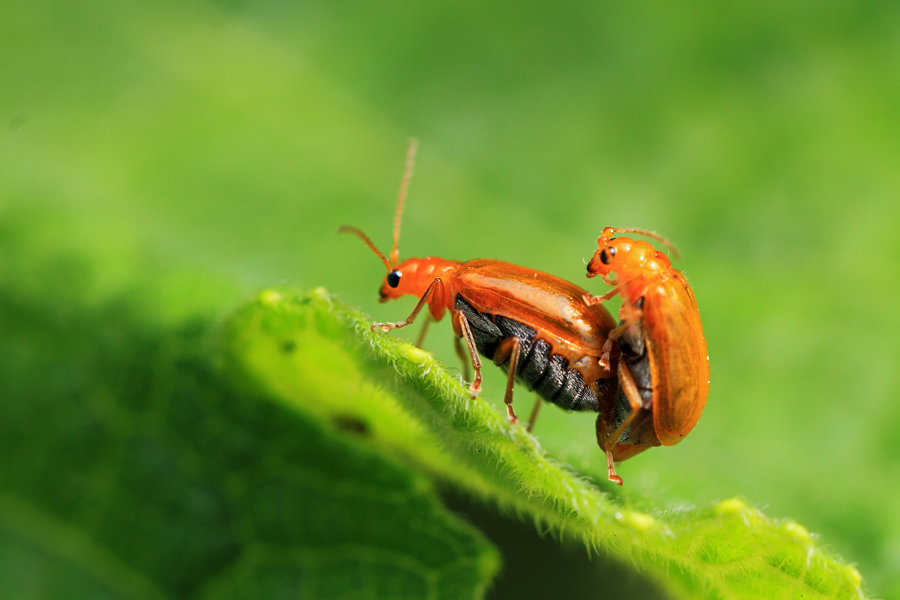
[{"x": 637, "y": 258}]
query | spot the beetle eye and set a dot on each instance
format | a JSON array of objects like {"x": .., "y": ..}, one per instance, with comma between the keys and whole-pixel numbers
[
  {"x": 393, "y": 278},
  {"x": 606, "y": 254}
]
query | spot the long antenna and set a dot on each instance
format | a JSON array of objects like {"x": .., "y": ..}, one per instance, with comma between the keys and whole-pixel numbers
[
  {"x": 365, "y": 238},
  {"x": 652, "y": 234},
  {"x": 401, "y": 199}
]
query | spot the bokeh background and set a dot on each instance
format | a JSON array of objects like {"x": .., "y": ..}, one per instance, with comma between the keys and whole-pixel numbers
[{"x": 185, "y": 155}]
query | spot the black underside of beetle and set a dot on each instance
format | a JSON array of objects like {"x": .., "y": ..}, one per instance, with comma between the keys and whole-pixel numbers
[
  {"x": 546, "y": 373},
  {"x": 634, "y": 355}
]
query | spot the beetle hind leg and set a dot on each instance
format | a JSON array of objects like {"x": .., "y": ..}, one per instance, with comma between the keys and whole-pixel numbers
[
  {"x": 508, "y": 349},
  {"x": 609, "y": 441},
  {"x": 611, "y": 469}
]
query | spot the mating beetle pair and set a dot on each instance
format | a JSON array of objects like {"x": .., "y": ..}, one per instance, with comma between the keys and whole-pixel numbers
[{"x": 647, "y": 377}]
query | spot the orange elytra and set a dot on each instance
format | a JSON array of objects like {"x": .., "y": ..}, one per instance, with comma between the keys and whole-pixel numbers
[
  {"x": 663, "y": 370},
  {"x": 537, "y": 327}
]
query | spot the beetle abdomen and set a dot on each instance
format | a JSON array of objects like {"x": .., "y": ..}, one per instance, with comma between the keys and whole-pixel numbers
[{"x": 546, "y": 373}]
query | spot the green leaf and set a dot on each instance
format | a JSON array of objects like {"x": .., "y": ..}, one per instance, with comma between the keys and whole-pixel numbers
[
  {"x": 133, "y": 468},
  {"x": 320, "y": 356}
]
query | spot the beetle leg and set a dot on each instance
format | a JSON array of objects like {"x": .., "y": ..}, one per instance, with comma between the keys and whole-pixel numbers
[
  {"x": 534, "y": 413},
  {"x": 616, "y": 332},
  {"x": 509, "y": 349},
  {"x": 466, "y": 332},
  {"x": 629, "y": 387},
  {"x": 629, "y": 322},
  {"x": 422, "y": 301},
  {"x": 618, "y": 284},
  {"x": 457, "y": 345},
  {"x": 629, "y": 318},
  {"x": 428, "y": 320},
  {"x": 590, "y": 300},
  {"x": 605, "y": 354},
  {"x": 611, "y": 468},
  {"x": 630, "y": 315},
  {"x": 603, "y": 437}
]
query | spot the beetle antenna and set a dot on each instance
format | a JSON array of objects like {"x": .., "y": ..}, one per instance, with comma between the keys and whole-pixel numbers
[
  {"x": 651, "y": 234},
  {"x": 365, "y": 238},
  {"x": 401, "y": 198}
]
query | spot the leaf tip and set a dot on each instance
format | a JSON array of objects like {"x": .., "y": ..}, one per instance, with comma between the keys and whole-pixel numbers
[
  {"x": 270, "y": 298},
  {"x": 732, "y": 507}
]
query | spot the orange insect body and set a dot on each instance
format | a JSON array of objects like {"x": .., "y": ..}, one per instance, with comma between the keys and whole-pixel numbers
[
  {"x": 552, "y": 305},
  {"x": 536, "y": 326},
  {"x": 664, "y": 367},
  {"x": 416, "y": 275},
  {"x": 555, "y": 308}
]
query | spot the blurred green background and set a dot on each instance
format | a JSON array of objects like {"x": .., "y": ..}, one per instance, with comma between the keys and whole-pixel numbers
[{"x": 184, "y": 155}]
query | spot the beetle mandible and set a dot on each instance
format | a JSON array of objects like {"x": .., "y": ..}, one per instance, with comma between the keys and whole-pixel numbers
[
  {"x": 537, "y": 327},
  {"x": 663, "y": 370}
]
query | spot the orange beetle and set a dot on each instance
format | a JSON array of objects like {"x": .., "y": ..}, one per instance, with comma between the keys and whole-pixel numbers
[
  {"x": 663, "y": 370},
  {"x": 536, "y": 326}
]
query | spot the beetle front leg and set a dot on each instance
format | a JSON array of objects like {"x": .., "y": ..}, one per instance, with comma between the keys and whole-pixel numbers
[
  {"x": 466, "y": 333},
  {"x": 591, "y": 300},
  {"x": 618, "y": 286},
  {"x": 422, "y": 302}
]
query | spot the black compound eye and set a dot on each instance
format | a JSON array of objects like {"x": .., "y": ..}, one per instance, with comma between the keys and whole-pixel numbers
[
  {"x": 393, "y": 278},
  {"x": 607, "y": 254}
]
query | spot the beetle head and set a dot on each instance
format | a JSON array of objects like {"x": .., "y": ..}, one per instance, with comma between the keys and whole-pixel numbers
[
  {"x": 394, "y": 284},
  {"x": 624, "y": 256},
  {"x": 398, "y": 281}
]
